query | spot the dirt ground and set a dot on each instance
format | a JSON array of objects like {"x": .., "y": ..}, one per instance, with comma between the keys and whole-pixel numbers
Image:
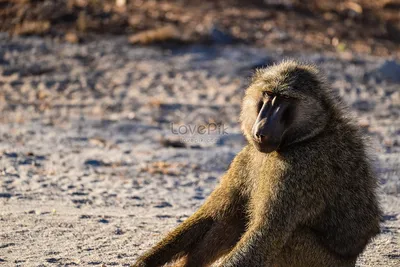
[
  {"x": 360, "y": 26},
  {"x": 91, "y": 172}
]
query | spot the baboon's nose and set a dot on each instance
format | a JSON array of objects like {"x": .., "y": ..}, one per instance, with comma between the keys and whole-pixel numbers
[{"x": 260, "y": 137}]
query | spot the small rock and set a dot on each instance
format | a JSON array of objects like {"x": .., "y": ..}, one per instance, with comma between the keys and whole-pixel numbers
[
  {"x": 103, "y": 221},
  {"x": 52, "y": 260},
  {"x": 118, "y": 231},
  {"x": 389, "y": 217},
  {"x": 163, "y": 216},
  {"x": 5, "y": 195},
  {"x": 97, "y": 141},
  {"x": 163, "y": 205},
  {"x": 6, "y": 245},
  {"x": 96, "y": 163},
  {"x": 94, "y": 262},
  {"x": 11, "y": 154},
  {"x": 198, "y": 197},
  {"x": 168, "y": 142},
  {"x": 71, "y": 37},
  {"x": 79, "y": 193}
]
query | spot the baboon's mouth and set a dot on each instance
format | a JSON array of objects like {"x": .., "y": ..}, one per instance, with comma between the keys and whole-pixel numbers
[{"x": 266, "y": 147}]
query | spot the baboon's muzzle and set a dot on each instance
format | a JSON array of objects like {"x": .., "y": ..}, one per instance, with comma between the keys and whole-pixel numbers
[{"x": 270, "y": 124}]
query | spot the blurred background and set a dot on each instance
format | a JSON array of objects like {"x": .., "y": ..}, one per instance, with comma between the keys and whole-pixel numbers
[
  {"x": 101, "y": 104},
  {"x": 363, "y": 26}
]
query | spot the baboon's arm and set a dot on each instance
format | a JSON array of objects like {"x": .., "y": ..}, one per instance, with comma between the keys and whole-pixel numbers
[
  {"x": 277, "y": 210},
  {"x": 222, "y": 203},
  {"x": 178, "y": 242}
]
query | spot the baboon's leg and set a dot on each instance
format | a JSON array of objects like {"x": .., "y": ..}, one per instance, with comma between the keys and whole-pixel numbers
[
  {"x": 304, "y": 250},
  {"x": 219, "y": 240}
]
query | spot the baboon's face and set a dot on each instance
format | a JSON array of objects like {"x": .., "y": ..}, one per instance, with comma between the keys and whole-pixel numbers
[{"x": 282, "y": 106}]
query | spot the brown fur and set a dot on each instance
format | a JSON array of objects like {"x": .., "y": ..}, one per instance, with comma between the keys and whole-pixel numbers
[{"x": 310, "y": 203}]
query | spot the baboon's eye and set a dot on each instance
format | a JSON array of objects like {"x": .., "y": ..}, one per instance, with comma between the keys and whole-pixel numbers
[
  {"x": 268, "y": 93},
  {"x": 286, "y": 96}
]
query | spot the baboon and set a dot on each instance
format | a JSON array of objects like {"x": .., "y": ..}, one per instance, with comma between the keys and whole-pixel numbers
[{"x": 300, "y": 193}]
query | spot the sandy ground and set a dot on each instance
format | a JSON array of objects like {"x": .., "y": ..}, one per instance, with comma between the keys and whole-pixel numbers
[{"x": 88, "y": 172}]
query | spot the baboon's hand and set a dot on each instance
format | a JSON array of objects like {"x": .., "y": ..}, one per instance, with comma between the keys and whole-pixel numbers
[
  {"x": 175, "y": 243},
  {"x": 139, "y": 263}
]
